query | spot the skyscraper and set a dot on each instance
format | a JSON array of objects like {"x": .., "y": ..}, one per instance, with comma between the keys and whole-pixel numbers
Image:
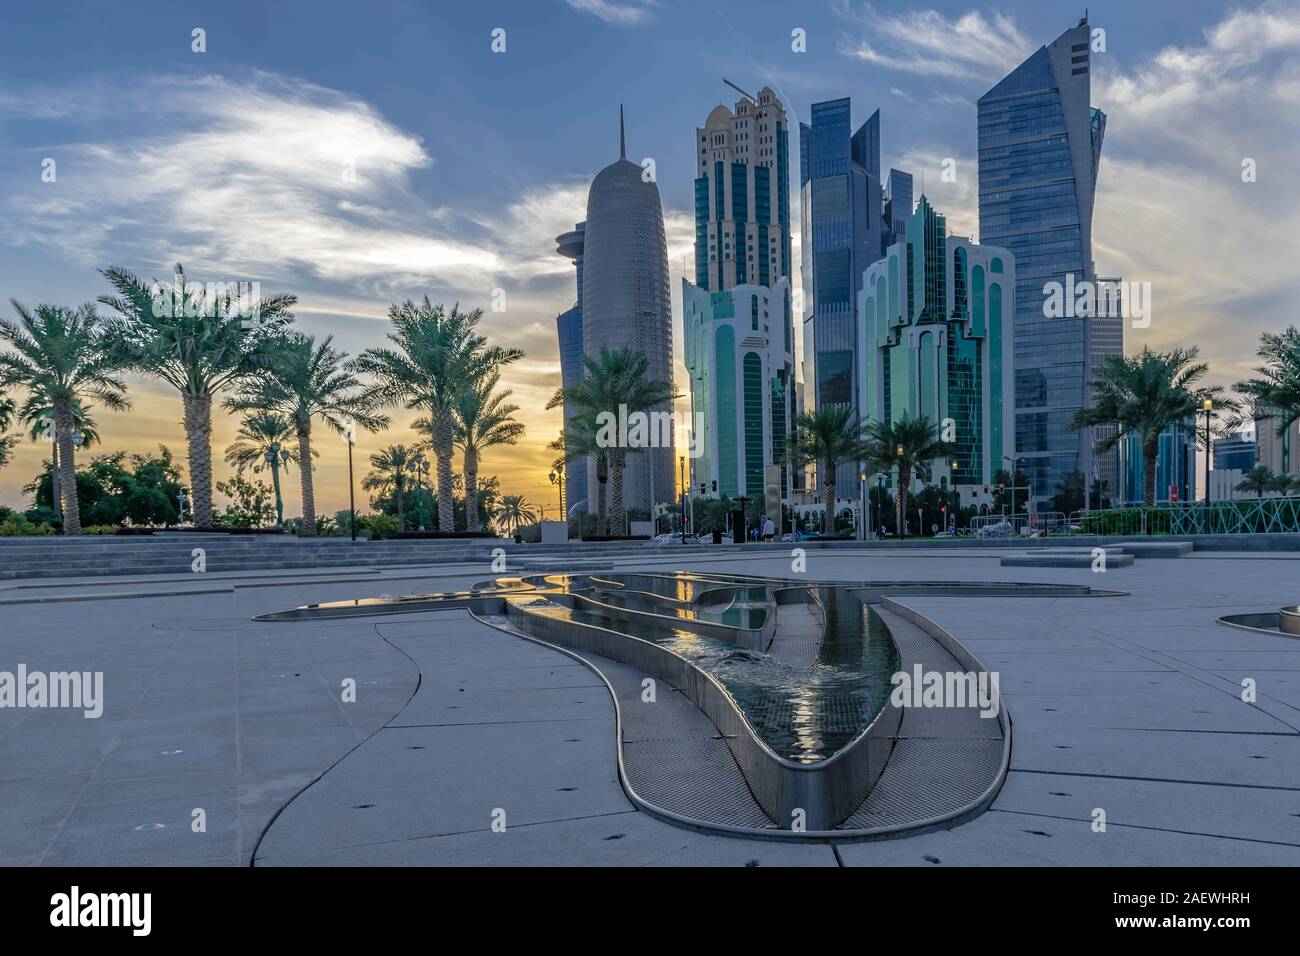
[
  {"x": 568, "y": 325},
  {"x": 742, "y": 195},
  {"x": 625, "y": 302},
  {"x": 839, "y": 180},
  {"x": 740, "y": 355},
  {"x": 897, "y": 209},
  {"x": 1039, "y": 148},
  {"x": 1107, "y": 341},
  {"x": 936, "y": 339},
  {"x": 738, "y": 319}
]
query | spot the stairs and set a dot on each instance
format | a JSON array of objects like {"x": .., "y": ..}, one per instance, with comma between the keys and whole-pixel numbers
[{"x": 173, "y": 554}]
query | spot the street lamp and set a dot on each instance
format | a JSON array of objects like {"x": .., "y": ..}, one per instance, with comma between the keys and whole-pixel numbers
[
  {"x": 557, "y": 478},
  {"x": 350, "y": 436},
  {"x": 1208, "y": 407},
  {"x": 864, "y": 508},
  {"x": 880, "y": 500},
  {"x": 681, "y": 476},
  {"x": 956, "y": 497},
  {"x": 902, "y": 515}
]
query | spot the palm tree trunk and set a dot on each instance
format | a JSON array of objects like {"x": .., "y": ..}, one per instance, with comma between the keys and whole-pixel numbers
[
  {"x": 308, "y": 491},
  {"x": 67, "y": 467},
  {"x": 471, "y": 490},
  {"x": 401, "y": 511},
  {"x": 900, "y": 503},
  {"x": 828, "y": 523},
  {"x": 602, "y": 477},
  {"x": 616, "y": 513},
  {"x": 198, "y": 436},
  {"x": 56, "y": 485},
  {"x": 442, "y": 451},
  {"x": 1150, "y": 457}
]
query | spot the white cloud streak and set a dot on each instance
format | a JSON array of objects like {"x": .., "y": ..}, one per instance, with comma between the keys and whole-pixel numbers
[{"x": 925, "y": 42}]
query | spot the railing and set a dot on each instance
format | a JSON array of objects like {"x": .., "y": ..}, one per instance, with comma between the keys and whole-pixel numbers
[{"x": 1244, "y": 516}]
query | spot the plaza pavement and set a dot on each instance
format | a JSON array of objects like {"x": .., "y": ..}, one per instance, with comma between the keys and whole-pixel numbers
[{"x": 1131, "y": 705}]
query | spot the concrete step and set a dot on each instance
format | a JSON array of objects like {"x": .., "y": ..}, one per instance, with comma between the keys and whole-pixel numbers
[{"x": 1044, "y": 560}]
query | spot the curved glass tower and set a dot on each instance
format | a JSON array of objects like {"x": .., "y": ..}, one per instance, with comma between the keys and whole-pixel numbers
[
  {"x": 1039, "y": 147},
  {"x": 625, "y": 302}
]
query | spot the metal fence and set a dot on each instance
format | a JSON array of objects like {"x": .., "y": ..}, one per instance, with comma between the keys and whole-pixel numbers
[{"x": 1246, "y": 516}]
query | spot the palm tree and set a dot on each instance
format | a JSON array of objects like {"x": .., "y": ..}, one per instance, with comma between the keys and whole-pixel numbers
[
  {"x": 306, "y": 381},
  {"x": 263, "y": 437},
  {"x": 1259, "y": 480},
  {"x": 826, "y": 438},
  {"x": 438, "y": 355},
  {"x": 389, "y": 476},
  {"x": 199, "y": 341},
  {"x": 7, "y": 409},
  {"x": 1275, "y": 393},
  {"x": 482, "y": 421},
  {"x": 910, "y": 443},
  {"x": 515, "y": 512},
  {"x": 1144, "y": 394},
  {"x": 61, "y": 354},
  {"x": 37, "y": 413},
  {"x": 578, "y": 443},
  {"x": 616, "y": 379}
]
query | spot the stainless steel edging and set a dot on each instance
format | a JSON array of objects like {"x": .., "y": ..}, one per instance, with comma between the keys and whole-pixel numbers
[{"x": 812, "y": 796}]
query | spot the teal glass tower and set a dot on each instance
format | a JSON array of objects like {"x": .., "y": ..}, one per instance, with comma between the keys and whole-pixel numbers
[{"x": 936, "y": 339}]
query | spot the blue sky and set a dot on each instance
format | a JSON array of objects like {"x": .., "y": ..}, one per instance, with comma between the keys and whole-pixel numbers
[{"x": 468, "y": 162}]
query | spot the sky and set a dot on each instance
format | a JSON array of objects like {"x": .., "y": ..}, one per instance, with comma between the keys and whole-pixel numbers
[{"x": 357, "y": 155}]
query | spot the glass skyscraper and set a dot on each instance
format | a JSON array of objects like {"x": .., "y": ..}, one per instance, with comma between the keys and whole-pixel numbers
[
  {"x": 936, "y": 339},
  {"x": 568, "y": 325},
  {"x": 1039, "y": 148},
  {"x": 839, "y": 181}
]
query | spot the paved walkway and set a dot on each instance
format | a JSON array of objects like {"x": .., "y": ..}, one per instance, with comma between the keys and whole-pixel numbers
[{"x": 1130, "y": 705}]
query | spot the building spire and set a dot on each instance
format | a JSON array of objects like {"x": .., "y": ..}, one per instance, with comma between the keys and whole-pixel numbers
[{"x": 622, "y": 144}]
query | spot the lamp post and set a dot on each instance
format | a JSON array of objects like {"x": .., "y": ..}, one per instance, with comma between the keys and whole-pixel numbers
[
  {"x": 864, "y": 507},
  {"x": 1208, "y": 407},
  {"x": 956, "y": 497},
  {"x": 902, "y": 515},
  {"x": 681, "y": 475},
  {"x": 557, "y": 478},
  {"x": 350, "y": 436},
  {"x": 181, "y": 498},
  {"x": 880, "y": 500}
]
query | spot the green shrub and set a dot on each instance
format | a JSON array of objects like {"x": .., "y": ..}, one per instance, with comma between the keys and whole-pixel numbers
[{"x": 380, "y": 526}]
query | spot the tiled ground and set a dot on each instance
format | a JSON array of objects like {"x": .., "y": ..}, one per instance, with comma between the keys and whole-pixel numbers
[{"x": 1129, "y": 705}]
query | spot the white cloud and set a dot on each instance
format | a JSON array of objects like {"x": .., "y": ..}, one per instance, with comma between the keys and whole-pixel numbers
[
  {"x": 968, "y": 47},
  {"x": 1172, "y": 208},
  {"x": 276, "y": 178},
  {"x": 629, "y": 14}
]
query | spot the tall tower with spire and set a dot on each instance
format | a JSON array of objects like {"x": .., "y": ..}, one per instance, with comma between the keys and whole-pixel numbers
[{"x": 626, "y": 304}]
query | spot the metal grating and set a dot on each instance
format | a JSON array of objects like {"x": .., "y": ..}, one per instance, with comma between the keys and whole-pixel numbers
[
  {"x": 925, "y": 778},
  {"x": 696, "y": 778}
]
